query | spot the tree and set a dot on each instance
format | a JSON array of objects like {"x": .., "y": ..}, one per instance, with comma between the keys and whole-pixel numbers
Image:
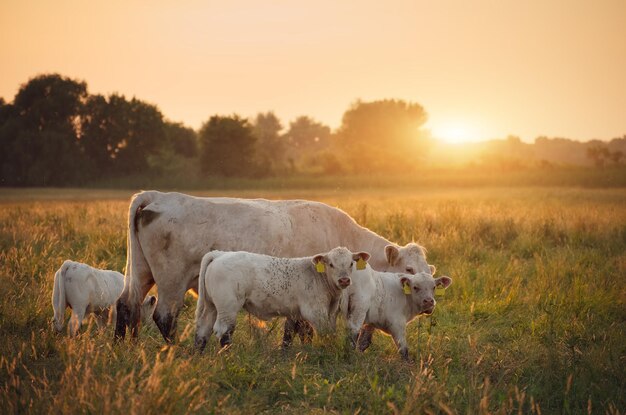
[
  {"x": 308, "y": 142},
  {"x": 182, "y": 140},
  {"x": 8, "y": 131},
  {"x": 270, "y": 146},
  {"x": 176, "y": 158},
  {"x": 227, "y": 147},
  {"x": 307, "y": 134},
  {"x": 39, "y": 132},
  {"x": 599, "y": 154},
  {"x": 51, "y": 102},
  {"x": 383, "y": 136},
  {"x": 616, "y": 157},
  {"x": 119, "y": 135}
]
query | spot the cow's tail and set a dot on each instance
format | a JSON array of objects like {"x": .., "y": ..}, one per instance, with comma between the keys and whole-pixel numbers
[
  {"x": 202, "y": 292},
  {"x": 58, "y": 296},
  {"x": 129, "y": 302}
]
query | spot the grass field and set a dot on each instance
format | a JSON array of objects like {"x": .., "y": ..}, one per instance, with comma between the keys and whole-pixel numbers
[{"x": 534, "y": 322}]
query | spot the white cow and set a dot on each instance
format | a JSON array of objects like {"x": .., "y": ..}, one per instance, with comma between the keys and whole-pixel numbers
[
  {"x": 387, "y": 301},
  {"x": 88, "y": 290},
  {"x": 299, "y": 288},
  {"x": 168, "y": 233}
]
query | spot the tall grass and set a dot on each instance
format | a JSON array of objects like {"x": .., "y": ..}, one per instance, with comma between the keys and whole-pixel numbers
[{"x": 534, "y": 321}]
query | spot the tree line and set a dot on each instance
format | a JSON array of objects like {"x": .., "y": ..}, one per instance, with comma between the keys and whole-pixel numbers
[{"x": 55, "y": 133}]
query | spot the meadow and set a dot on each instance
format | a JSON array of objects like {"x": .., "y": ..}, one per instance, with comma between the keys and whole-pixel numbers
[{"x": 534, "y": 322}]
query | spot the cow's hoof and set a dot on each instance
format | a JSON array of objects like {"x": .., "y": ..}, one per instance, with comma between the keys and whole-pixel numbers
[{"x": 200, "y": 344}]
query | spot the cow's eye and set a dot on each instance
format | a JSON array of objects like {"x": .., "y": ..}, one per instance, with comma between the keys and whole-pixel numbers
[
  {"x": 331, "y": 265},
  {"x": 410, "y": 270},
  {"x": 417, "y": 289}
]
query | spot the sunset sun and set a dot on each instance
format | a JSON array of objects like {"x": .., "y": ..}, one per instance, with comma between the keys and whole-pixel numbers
[{"x": 453, "y": 133}]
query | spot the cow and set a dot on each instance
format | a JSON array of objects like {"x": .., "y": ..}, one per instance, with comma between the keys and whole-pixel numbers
[
  {"x": 387, "y": 301},
  {"x": 168, "y": 234},
  {"x": 299, "y": 288},
  {"x": 88, "y": 290}
]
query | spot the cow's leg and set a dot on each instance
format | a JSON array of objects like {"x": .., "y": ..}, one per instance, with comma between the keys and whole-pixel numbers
[
  {"x": 305, "y": 331},
  {"x": 365, "y": 337},
  {"x": 76, "y": 320},
  {"x": 398, "y": 332},
  {"x": 311, "y": 321},
  {"x": 355, "y": 322},
  {"x": 224, "y": 327},
  {"x": 169, "y": 303},
  {"x": 102, "y": 317},
  {"x": 227, "y": 306},
  {"x": 205, "y": 320},
  {"x": 128, "y": 307},
  {"x": 138, "y": 293},
  {"x": 301, "y": 327},
  {"x": 122, "y": 311},
  {"x": 290, "y": 327}
]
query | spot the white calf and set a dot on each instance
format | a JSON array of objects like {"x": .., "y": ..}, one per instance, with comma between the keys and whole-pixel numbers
[
  {"x": 299, "y": 288},
  {"x": 388, "y": 302},
  {"x": 88, "y": 290}
]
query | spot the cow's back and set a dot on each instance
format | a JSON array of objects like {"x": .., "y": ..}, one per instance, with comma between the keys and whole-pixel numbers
[
  {"x": 85, "y": 284},
  {"x": 188, "y": 227}
]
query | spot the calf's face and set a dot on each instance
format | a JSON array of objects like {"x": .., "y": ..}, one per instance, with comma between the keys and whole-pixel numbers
[
  {"x": 338, "y": 265},
  {"x": 422, "y": 290},
  {"x": 147, "y": 309},
  {"x": 409, "y": 259}
]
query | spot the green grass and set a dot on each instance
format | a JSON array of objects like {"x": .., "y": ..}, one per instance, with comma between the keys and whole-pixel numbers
[{"x": 534, "y": 322}]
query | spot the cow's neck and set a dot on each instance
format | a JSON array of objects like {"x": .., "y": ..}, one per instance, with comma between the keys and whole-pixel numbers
[
  {"x": 374, "y": 244},
  {"x": 332, "y": 291},
  {"x": 411, "y": 309}
]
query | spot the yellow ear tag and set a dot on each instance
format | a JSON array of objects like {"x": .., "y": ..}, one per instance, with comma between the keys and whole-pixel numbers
[
  {"x": 406, "y": 288},
  {"x": 440, "y": 291},
  {"x": 360, "y": 264},
  {"x": 320, "y": 267}
]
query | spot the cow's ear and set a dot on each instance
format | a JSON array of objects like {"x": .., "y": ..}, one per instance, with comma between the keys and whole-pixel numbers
[
  {"x": 361, "y": 255},
  {"x": 433, "y": 269},
  {"x": 392, "y": 254},
  {"x": 443, "y": 282},
  {"x": 152, "y": 300},
  {"x": 404, "y": 281},
  {"x": 318, "y": 258}
]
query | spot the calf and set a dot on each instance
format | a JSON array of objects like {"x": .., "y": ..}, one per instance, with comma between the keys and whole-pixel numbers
[
  {"x": 88, "y": 290},
  {"x": 388, "y": 302},
  {"x": 299, "y": 288}
]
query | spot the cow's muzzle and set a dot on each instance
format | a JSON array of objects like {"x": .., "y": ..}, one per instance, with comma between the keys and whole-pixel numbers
[{"x": 344, "y": 282}]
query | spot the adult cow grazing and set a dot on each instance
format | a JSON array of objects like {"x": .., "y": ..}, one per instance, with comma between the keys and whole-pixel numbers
[{"x": 168, "y": 234}]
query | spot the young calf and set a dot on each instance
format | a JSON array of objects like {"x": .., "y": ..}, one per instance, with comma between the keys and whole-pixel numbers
[
  {"x": 300, "y": 288},
  {"x": 88, "y": 290},
  {"x": 388, "y": 302}
]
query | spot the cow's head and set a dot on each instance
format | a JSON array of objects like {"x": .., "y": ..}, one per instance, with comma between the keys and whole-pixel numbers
[
  {"x": 338, "y": 265},
  {"x": 147, "y": 309},
  {"x": 421, "y": 288},
  {"x": 409, "y": 259}
]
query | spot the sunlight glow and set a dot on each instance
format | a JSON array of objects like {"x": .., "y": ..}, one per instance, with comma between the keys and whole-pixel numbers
[{"x": 453, "y": 133}]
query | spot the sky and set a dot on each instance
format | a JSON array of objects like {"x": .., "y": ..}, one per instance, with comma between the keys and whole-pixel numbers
[{"x": 481, "y": 69}]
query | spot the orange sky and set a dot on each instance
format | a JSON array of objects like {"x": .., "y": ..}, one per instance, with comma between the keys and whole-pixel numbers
[{"x": 482, "y": 69}]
